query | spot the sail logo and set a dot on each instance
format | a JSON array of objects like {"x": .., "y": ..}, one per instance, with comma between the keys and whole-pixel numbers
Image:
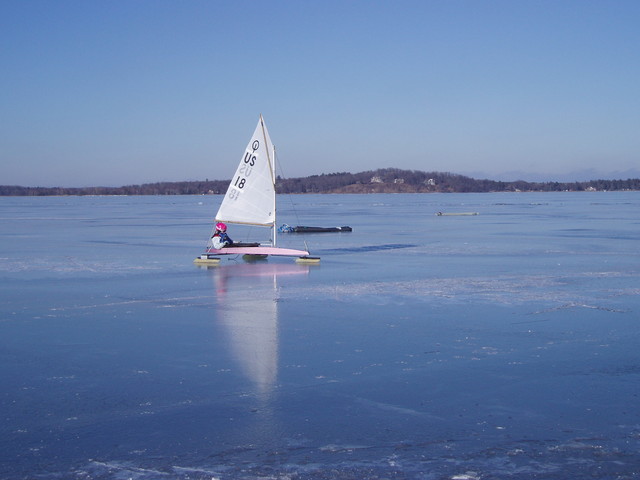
[{"x": 244, "y": 171}]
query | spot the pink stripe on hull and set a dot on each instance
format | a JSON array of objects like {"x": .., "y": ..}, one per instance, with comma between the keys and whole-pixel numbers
[{"x": 287, "y": 252}]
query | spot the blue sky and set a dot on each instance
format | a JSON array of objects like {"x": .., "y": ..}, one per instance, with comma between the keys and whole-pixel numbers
[{"x": 123, "y": 92}]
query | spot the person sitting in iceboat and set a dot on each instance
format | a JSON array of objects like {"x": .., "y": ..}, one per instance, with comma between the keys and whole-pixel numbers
[{"x": 220, "y": 239}]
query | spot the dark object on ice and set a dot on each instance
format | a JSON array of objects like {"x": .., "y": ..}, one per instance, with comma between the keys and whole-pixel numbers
[
  {"x": 302, "y": 229},
  {"x": 458, "y": 214}
]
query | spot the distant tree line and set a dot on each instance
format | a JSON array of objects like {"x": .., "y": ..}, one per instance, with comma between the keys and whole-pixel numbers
[
  {"x": 388, "y": 180},
  {"x": 160, "y": 188}
]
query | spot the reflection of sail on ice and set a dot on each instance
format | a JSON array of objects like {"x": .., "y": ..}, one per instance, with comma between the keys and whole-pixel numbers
[
  {"x": 252, "y": 325},
  {"x": 248, "y": 310}
]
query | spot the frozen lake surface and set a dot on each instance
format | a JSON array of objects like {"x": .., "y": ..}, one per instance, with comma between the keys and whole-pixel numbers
[{"x": 497, "y": 346}]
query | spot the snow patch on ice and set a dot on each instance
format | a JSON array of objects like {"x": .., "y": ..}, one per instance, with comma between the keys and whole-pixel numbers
[{"x": 505, "y": 290}]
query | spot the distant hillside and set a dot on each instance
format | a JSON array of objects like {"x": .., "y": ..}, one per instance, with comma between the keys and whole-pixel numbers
[{"x": 388, "y": 180}]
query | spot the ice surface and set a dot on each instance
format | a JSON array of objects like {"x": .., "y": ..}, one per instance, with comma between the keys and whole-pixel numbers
[{"x": 501, "y": 345}]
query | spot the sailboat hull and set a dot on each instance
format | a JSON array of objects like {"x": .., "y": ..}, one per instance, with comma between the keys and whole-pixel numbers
[{"x": 284, "y": 252}]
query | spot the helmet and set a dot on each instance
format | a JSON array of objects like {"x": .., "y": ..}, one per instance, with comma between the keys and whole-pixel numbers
[{"x": 221, "y": 227}]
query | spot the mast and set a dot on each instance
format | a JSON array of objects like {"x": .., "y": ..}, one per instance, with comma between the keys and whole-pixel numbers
[
  {"x": 272, "y": 164},
  {"x": 273, "y": 227}
]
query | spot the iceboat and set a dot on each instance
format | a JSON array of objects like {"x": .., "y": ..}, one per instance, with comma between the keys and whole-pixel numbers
[{"x": 251, "y": 200}]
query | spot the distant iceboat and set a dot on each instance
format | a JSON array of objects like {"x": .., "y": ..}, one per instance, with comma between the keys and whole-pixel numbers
[{"x": 455, "y": 214}]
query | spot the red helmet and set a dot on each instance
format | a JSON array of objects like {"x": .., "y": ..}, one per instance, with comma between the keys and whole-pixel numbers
[{"x": 221, "y": 227}]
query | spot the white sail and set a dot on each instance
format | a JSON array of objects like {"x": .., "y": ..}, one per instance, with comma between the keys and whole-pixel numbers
[{"x": 250, "y": 198}]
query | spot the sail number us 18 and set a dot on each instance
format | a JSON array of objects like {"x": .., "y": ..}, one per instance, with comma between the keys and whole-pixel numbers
[{"x": 248, "y": 162}]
